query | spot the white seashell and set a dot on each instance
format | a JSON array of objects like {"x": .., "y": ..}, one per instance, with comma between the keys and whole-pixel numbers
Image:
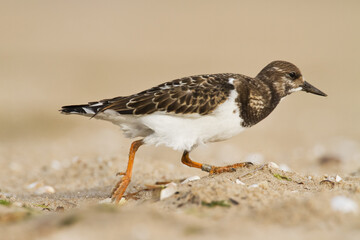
[
  {"x": 35, "y": 185},
  {"x": 44, "y": 189},
  {"x": 338, "y": 178},
  {"x": 239, "y": 182},
  {"x": 344, "y": 204},
  {"x": 170, "y": 189},
  {"x": 273, "y": 165},
  {"x": 254, "y": 185},
  {"x": 190, "y": 179}
]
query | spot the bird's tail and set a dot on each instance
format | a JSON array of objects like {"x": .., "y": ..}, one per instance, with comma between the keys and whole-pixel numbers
[{"x": 90, "y": 109}]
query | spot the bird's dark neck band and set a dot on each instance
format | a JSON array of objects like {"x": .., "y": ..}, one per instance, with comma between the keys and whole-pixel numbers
[{"x": 253, "y": 110}]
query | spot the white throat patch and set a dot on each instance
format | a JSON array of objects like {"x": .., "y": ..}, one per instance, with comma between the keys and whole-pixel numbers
[{"x": 295, "y": 89}]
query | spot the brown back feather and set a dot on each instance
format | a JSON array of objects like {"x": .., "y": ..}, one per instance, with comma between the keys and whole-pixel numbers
[{"x": 197, "y": 94}]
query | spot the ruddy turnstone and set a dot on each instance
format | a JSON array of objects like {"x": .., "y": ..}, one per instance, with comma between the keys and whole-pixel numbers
[{"x": 192, "y": 111}]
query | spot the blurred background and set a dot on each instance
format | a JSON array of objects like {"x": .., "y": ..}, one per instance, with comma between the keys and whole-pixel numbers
[{"x": 55, "y": 53}]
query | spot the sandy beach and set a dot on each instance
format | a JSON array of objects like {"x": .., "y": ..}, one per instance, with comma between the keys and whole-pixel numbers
[{"x": 57, "y": 171}]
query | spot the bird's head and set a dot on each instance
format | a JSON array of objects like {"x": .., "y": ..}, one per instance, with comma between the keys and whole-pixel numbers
[{"x": 286, "y": 78}]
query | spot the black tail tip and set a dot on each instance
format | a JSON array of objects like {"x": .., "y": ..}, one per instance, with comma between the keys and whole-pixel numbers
[{"x": 73, "y": 109}]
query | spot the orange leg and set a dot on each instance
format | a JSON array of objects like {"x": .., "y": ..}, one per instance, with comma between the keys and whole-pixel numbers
[
  {"x": 121, "y": 186},
  {"x": 211, "y": 169}
]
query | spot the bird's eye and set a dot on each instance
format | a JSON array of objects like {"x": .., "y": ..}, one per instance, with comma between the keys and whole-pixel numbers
[{"x": 292, "y": 75}]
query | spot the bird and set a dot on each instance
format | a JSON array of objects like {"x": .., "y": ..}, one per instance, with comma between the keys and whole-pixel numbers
[{"x": 191, "y": 111}]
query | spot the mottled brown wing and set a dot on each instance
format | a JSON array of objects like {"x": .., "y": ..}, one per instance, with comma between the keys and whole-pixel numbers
[{"x": 197, "y": 94}]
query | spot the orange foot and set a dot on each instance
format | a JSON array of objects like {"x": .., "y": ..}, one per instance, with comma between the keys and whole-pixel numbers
[
  {"x": 120, "y": 188},
  {"x": 229, "y": 168}
]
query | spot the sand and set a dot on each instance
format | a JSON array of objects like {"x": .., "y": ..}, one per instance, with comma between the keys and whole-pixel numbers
[
  {"x": 57, "y": 172},
  {"x": 254, "y": 202}
]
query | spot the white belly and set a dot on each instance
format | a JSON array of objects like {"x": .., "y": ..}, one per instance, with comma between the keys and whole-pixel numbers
[{"x": 182, "y": 132}]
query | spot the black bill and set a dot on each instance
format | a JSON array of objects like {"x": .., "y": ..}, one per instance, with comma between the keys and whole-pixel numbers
[{"x": 307, "y": 87}]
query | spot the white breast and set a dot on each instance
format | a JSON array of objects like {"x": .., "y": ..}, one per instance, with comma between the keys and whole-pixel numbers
[
  {"x": 184, "y": 132},
  {"x": 181, "y": 131}
]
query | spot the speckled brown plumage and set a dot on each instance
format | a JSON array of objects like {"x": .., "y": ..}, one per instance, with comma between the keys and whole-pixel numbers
[{"x": 196, "y": 94}]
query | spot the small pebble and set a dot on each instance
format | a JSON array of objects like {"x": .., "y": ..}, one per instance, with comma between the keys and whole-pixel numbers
[
  {"x": 170, "y": 190},
  {"x": 254, "y": 185},
  {"x": 59, "y": 209},
  {"x": 344, "y": 204},
  {"x": 190, "y": 179}
]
